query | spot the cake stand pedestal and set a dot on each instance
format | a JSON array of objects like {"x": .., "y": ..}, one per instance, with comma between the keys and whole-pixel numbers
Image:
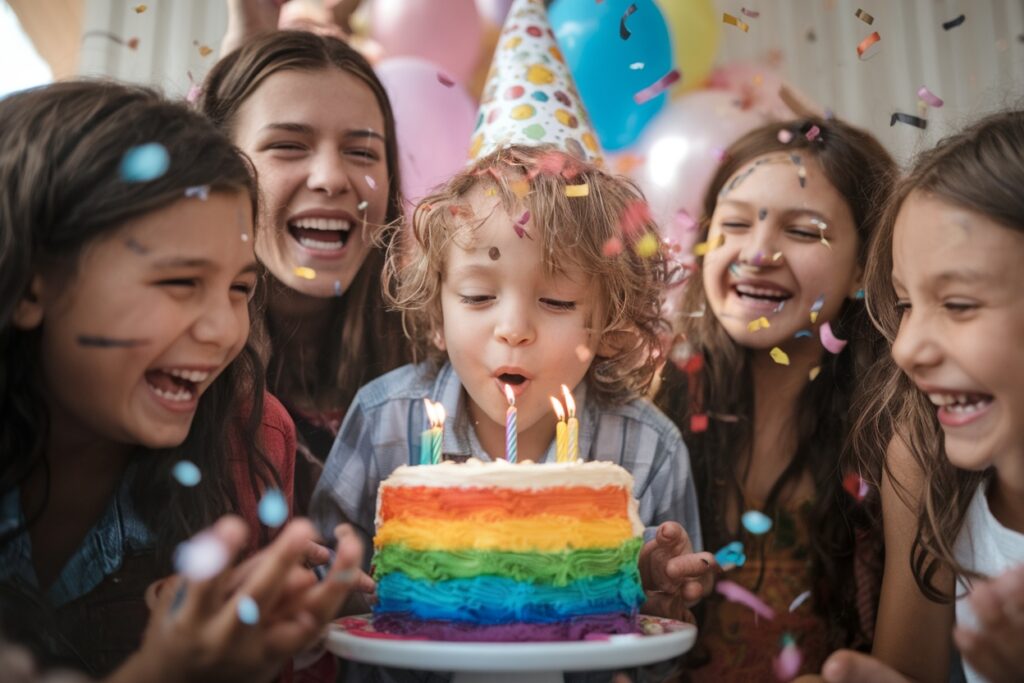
[{"x": 354, "y": 638}]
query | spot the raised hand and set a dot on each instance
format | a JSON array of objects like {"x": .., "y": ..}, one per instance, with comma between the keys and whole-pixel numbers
[{"x": 673, "y": 575}]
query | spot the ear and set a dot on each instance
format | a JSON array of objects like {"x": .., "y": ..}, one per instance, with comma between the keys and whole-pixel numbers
[
  {"x": 28, "y": 312},
  {"x": 437, "y": 337},
  {"x": 857, "y": 286}
]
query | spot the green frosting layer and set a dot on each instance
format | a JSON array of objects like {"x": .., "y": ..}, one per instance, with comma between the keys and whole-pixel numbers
[{"x": 556, "y": 569}]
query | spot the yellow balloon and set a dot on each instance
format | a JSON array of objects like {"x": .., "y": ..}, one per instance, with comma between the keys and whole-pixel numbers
[{"x": 695, "y": 26}]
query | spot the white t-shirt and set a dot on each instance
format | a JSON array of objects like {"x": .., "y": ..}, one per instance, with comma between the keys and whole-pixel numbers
[{"x": 987, "y": 547}]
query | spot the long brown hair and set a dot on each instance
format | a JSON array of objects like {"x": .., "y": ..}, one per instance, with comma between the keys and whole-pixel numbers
[
  {"x": 980, "y": 169},
  {"x": 859, "y": 168},
  {"x": 369, "y": 338},
  {"x": 62, "y": 146}
]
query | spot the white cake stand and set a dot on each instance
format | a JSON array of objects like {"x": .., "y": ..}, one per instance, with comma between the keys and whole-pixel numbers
[{"x": 662, "y": 639}]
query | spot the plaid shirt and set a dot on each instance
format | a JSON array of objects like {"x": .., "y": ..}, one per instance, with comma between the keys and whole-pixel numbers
[{"x": 382, "y": 431}]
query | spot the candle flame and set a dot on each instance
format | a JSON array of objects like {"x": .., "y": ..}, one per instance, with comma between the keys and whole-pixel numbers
[
  {"x": 510, "y": 395},
  {"x": 440, "y": 415},
  {"x": 435, "y": 413},
  {"x": 569, "y": 403},
  {"x": 558, "y": 408}
]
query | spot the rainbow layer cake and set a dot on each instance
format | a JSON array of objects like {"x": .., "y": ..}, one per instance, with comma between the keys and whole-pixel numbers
[{"x": 499, "y": 552}]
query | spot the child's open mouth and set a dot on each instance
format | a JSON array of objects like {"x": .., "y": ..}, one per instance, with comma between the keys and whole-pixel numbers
[
  {"x": 511, "y": 378},
  {"x": 955, "y": 409},
  {"x": 176, "y": 385},
  {"x": 320, "y": 234},
  {"x": 762, "y": 295}
]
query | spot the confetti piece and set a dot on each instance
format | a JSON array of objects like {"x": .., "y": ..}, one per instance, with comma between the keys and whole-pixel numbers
[
  {"x": 953, "y": 23},
  {"x": 864, "y": 16},
  {"x": 799, "y": 600},
  {"x": 520, "y": 187},
  {"x": 929, "y": 98},
  {"x": 245, "y": 237},
  {"x": 623, "y": 31},
  {"x": 759, "y": 324},
  {"x": 361, "y": 206},
  {"x": 779, "y": 356},
  {"x": 753, "y": 14},
  {"x": 371, "y": 182},
  {"x": 273, "y": 508},
  {"x": 829, "y": 340},
  {"x": 730, "y": 19},
  {"x": 144, "y": 163},
  {"x": 577, "y": 190},
  {"x": 186, "y": 473},
  {"x": 785, "y": 136},
  {"x": 337, "y": 288},
  {"x": 201, "y": 557},
  {"x": 816, "y": 307},
  {"x": 583, "y": 353},
  {"x": 139, "y": 9},
  {"x": 699, "y": 423},
  {"x": 248, "y": 611},
  {"x": 636, "y": 66},
  {"x": 756, "y": 522},
  {"x": 132, "y": 44},
  {"x": 855, "y": 485},
  {"x": 613, "y": 247},
  {"x": 518, "y": 226},
  {"x": 205, "y": 51},
  {"x": 859, "y": 294},
  {"x": 800, "y": 334},
  {"x": 813, "y": 373},
  {"x": 733, "y": 592},
  {"x": 786, "y": 664},
  {"x": 866, "y": 44},
  {"x": 813, "y": 133},
  {"x": 108, "y": 342},
  {"x": 702, "y": 248},
  {"x": 445, "y": 80},
  {"x": 305, "y": 272},
  {"x": 656, "y": 88},
  {"x": 908, "y": 119},
  {"x": 201, "y": 192},
  {"x": 731, "y": 555},
  {"x": 646, "y": 246}
]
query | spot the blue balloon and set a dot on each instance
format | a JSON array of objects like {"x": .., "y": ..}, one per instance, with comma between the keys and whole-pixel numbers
[{"x": 610, "y": 70}]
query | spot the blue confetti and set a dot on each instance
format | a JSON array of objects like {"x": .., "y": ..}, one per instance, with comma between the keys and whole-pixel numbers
[
  {"x": 818, "y": 304},
  {"x": 273, "y": 509},
  {"x": 756, "y": 522},
  {"x": 186, "y": 472},
  {"x": 337, "y": 288},
  {"x": 144, "y": 163},
  {"x": 731, "y": 555},
  {"x": 802, "y": 333},
  {"x": 248, "y": 611},
  {"x": 859, "y": 294}
]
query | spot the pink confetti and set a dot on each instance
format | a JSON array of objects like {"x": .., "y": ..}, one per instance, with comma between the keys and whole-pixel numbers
[
  {"x": 785, "y": 136},
  {"x": 613, "y": 247},
  {"x": 518, "y": 226},
  {"x": 799, "y": 600},
  {"x": 929, "y": 98},
  {"x": 371, "y": 182},
  {"x": 685, "y": 221},
  {"x": 444, "y": 79},
  {"x": 855, "y": 486},
  {"x": 829, "y": 341},
  {"x": 787, "y": 663},
  {"x": 734, "y": 592},
  {"x": 655, "y": 89},
  {"x": 813, "y": 133},
  {"x": 753, "y": 14}
]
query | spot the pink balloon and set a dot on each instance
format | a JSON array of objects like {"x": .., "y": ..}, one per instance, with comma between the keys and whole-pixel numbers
[
  {"x": 447, "y": 33},
  {"x": 757, "y": 85},
  {"x": 434, "y": 122},
  {"x": 494, "y": 11}
]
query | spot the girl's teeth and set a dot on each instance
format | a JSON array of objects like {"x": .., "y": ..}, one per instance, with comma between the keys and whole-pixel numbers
[
  {"x": 181, "y": 395},
  {"x": 322, "y": 224},
  {"x": 190, "y": 375},
  {"x": 317, "y": 244}
]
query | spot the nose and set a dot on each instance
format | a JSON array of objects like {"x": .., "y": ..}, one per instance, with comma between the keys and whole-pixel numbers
[
  {"x": 222, "y": 322},
  {"x": 327, "y": 173},
  {"x": 915, "y": 347},
  {"x": 515, "y": 325},
  {"x": 758, "y": 247}
]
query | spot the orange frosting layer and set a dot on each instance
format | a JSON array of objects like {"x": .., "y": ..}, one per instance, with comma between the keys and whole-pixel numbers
[{"x": 493, "y": 503}]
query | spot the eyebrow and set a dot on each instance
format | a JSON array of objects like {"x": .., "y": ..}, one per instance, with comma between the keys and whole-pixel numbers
[
  {"x": 197, "y": 262},
  {"x": 789, "y": 211},
  {"x": 305, "y": 129},
  {"x": 965, "y": 275}
]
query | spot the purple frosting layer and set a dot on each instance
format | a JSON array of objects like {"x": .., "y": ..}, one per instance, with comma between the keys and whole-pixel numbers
[{"x": 578, "y": 628}]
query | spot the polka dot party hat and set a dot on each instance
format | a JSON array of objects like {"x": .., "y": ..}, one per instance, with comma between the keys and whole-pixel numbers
[{"x": 530, "y": 97}]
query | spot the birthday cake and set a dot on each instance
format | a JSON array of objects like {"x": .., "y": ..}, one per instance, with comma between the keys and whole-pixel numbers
[{"x": 499, "y": 552}]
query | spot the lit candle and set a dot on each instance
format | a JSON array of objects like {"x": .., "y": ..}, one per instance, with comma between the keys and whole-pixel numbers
[
  {"x": 438, "y": 429},
  {"x": 573, "y": 425},
  {"x": 430, "y": 438},
  {"x": 510, "y": 426},
  {"x": 561, "y": 441}
]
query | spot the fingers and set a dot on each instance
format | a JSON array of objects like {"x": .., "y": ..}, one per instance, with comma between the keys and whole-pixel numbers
[
  {"x": 325, "y": 600},
  {"x": 672, "y": 538},
  {"x": 317, "y": 554},
  {"x": 846, "y": 666},
  {"x": 994, "y": 648},
  {"x": 199, "y": 594}
]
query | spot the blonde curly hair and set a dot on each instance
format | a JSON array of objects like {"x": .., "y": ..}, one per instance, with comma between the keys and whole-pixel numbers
[{"x": 576, "y": 232}]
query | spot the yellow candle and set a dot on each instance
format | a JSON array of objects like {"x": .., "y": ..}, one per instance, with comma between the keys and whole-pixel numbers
[
  {"x": 573, "y": 426},
  {"x": 561, "y": 437}
]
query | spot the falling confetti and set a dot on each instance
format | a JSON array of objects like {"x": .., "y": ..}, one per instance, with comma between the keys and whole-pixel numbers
[
  {"x": 813, "y": 373},
  {"x": 733, "y": 592},
  {"x": 953, "y": 23},
  {"x": 445, "y": 80},
  {"x": 273, "y": 508},
  {"x": 799, "y": 600},
  {"x": 305, "y": 272},
  {"x": 583, "y": 353},
  {"x": 731, "y": 555},
  {"x": 612, "y": 247},
  {"x": 865, "y": 46},
  {"x": 756, "y": 522},
  {"x": 577, "y": 190},
  {"x": 195, "y": 90},
  {"x": 864, "y": 16},
  {"x": 699, "y": 423},
  {"x": 186, "y": 473},
  {"x": 201, "y": 557},
  {"x": 785, "y": 136},
  {"x": 800, "y": 334},
  {"x": 813, "y": 133},
  {"x": 753, "y": 14},
  {"x": 656, "y": 88},
  {"x": 361, "y": 206},
  {"x": 623, "y": 31},
  {"x": 518, "y": 225},
  {"x": 855, "y": 485},
  {"x": 929, "y": 98},
  {"x": 646, "y": 246},
  {"x": 908, "y": 119},
  {"x": 636, "y": 66},
  {"x": 702, "y": 248},
  {"x": 829, "y": 340},
  {"x": 786, "y": 664},
  {"x": 371, "y": 182},
  {"x": 201, "y": 192},
  {"x": 139, "y": 9},
  {"x": 248, "y": 611},
  {"x": 761, "y": 323},
  {"x": 816, "y": 307},
  {"x": 131, "y": 43},
  {"x": 779, "y": 356},
  {"x": 144, "y": 163},
  {"x": 730, "y": 19},
  {"x": 205, "y": 50},
  {"x": 337, "y": 288}
]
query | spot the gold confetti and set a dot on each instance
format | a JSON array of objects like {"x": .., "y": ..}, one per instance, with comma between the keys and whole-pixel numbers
[
  {"x": 779, "y": 356},
  {"x": 304, "y": 272},
  {"x": 759, "y": 324},
  {"x": 702, "y": 248},
  {"x": 864, "y": 16},
  {"x": 519, "y": 187},
  {"x": 204, "y": 50},
  {"x": 647, "y": 246},
  {"x": 577, "y": 190},
  {"x": 583, "y": 353},
  {"x": 139, "y": 9},
  {"x": 730, "y": 19},
  {"x": 815, "y": 371},
  {"x": 814, "y": 316},
  {"x": 490, "y": 192}
]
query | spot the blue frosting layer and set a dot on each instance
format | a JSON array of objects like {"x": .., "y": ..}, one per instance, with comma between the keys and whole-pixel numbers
[{"x": 489, "y": 600}]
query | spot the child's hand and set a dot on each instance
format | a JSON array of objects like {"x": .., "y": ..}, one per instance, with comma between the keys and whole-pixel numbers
[
  {"x": 847, "y": 666},
  {"x": 248, "y": 19},
  {"x": 674, "y": 577},
  {"x": 994, "y": 648}
]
